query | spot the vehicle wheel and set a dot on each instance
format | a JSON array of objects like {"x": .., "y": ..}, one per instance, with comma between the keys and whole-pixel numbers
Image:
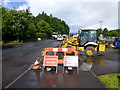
[{"x": 90, "y": 51}]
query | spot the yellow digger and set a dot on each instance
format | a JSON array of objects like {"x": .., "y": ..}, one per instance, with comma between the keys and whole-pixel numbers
[{"x": 86, "y": 41}]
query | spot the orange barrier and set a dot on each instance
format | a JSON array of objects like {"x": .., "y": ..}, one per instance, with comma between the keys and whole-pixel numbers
[
  {"x": 53, "y": 59},
  {"x": 55, "y": 50}
]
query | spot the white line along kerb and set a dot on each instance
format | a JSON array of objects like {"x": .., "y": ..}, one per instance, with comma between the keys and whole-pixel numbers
[{"x": 55, "y": 49}]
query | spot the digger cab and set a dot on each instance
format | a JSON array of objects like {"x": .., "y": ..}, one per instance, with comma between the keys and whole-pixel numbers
[{"x": 87, "y": 35}]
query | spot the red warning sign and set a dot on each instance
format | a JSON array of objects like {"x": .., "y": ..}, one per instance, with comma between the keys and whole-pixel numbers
[
  {"x": 50, "y": 61},
  {"x": 71, "y": 61}
]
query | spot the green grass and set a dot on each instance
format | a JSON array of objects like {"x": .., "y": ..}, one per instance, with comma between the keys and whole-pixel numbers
[
  {"x": 13, "y": 42},
  {"x": 1, "y": 42},
  {"x": 110, "y": 80}
]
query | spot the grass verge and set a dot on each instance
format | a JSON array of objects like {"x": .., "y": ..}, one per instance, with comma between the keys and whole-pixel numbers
[
  {"x": 12, "y": 42},
  {"x": 111, "y": 81},
  {"x": 1, "y": 42}
]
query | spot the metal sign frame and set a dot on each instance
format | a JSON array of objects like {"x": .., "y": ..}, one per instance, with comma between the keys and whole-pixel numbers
[
  {"x": 71, "y": 62},
  {"x": 49, "y": 63}
]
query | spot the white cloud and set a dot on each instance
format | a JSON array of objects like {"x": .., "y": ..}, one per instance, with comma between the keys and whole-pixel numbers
[
  {"x": 79, "y": 13},
  {"x": 23, "y": 7},
  {"x": 5, "y": 2}
]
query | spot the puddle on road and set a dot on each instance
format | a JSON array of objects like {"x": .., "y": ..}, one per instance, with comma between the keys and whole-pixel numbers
[
  {"x": 99, "y": 65},
  {"x": 52, "y": 80},
  {"x": 86, "y": 64}
]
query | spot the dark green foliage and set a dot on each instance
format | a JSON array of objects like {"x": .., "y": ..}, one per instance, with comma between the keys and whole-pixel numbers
[
  {"x": 109, "y": 33},
  {"x": 114, "y": 33},
  {"x": 41, "y": 35},
  {"x": 44, "y": 27},
  {"x": 23, "y": 26},
  {"x": 105, "y": 32},
  {"x": 99, "y": 31}
]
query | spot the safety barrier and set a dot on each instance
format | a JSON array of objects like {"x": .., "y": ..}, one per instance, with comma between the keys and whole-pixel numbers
[
  {"x": 55, "y": 50},
  {"x": 69, "y": 59}
]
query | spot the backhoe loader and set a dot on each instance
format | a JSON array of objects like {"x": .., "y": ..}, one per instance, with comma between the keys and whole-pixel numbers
[{"x": 86, "y": 41}]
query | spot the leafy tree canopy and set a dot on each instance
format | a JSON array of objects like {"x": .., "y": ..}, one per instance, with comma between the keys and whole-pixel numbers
[{"x": 22, "y": 25}]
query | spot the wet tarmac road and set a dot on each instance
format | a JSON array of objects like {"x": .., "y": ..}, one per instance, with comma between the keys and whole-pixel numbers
[
  {"x": 34, "y": 79},
  {"x": 19, "y": 58},
  {"x": 88, "y": 70}
]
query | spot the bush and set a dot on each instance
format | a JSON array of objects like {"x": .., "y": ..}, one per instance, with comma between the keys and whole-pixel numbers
[{"x": 41, "y": 35}]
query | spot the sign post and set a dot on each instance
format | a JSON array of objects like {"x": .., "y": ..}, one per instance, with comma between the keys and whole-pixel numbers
[
  {"x": 50, "y": 61},
  {"x": 71, "y": 61}
]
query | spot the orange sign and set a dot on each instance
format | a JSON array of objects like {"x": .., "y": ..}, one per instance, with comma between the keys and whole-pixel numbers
[
  {"x": 71, "y": 61},
  {"x": 50, "y": 61}
]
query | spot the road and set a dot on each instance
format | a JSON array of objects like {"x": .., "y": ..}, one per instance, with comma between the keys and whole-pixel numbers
[{"x": 18, "y": 59}]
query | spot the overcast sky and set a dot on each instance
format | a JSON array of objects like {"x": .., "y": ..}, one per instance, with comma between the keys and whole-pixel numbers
[{"x": 76, "y": 13}]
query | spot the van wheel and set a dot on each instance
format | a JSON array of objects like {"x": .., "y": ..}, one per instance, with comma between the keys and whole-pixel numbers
[{"x": 90, "y": 51}]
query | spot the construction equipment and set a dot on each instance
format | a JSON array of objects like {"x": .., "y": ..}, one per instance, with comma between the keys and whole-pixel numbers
[{"x": 86, "y": 41}]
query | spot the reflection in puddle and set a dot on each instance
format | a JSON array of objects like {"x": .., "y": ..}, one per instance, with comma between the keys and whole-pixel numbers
[
  {"x": 53, "y": 80},
  {"x": 38, "y": 74},
  {"x": 101, "y": 62},
  {"x": 87, "y": 64},
  {"x": 50, "y": 79},
  {"x": 71, "y": 80}
]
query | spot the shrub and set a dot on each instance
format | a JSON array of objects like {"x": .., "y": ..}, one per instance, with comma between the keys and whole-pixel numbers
[{"x": 41, "y": 35}]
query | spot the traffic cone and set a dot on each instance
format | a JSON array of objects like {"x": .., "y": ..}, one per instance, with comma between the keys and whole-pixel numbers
[{"x": 36, "y": 64}]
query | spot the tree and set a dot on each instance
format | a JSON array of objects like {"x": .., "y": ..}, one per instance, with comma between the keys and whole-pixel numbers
[
  {"x": 23, "y": 26},
  {"x": 105, "y": 32},
  {"x": 8, "y": 24},
  {"x": 44, "y": 27},
  {"x": 99, "y": 31},
  {"x": 31, "y": 31}
]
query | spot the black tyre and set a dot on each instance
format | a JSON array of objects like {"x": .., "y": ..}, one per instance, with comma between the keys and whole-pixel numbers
[{"x": 90, "y": 51}]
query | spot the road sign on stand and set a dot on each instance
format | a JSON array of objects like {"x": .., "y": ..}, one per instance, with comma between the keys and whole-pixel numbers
[
  {"x": 50, "y": 61},
  {"x": 71, "y": 61}
]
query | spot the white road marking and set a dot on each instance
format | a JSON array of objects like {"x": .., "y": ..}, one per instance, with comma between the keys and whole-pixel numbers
[
  {"x": 89, "y": 69},
  {"x": 20, "y": 76},
  {"x": 17, "y": 78},
  {"x": 30, "y": 68}
]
